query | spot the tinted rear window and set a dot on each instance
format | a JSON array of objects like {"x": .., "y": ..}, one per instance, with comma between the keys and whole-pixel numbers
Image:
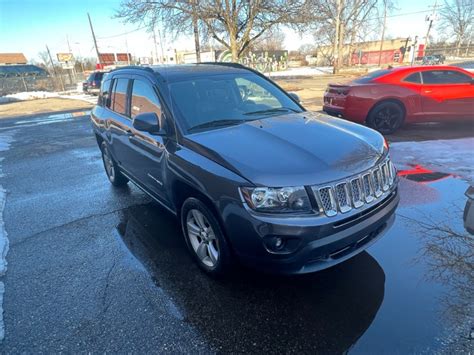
[
  {"x": 98, "y": 76},
  {"x": 371, "y": 76},
  {"x": 413, "y": 78},
  {"x": 445, "y": 77}
]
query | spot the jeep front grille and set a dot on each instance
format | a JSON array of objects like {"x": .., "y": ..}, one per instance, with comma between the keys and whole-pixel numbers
[{"x": 355, "y": 192}]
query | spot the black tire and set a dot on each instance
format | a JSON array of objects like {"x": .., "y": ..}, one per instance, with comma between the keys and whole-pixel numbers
[
  {"x": 224, "y": 261},
  {"x": 112, "y": 170},
  {"x": 386, "y": 117}
]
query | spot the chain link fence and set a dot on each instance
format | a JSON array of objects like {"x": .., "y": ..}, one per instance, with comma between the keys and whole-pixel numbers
[{"x": 27, "y": 83}]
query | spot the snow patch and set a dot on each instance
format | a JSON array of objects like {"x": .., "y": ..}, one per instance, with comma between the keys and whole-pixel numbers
[
  {"x": 35, "y": 95},
  {"x": 455, "y": 156},
  {"x": 5, "y": 141},
  {"x": 303, "y": 71}
]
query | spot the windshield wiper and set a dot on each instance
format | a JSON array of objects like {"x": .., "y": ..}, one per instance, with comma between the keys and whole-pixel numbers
[
  {"x": 216, "y": 123},
  {"x": 271, "y": 110}
]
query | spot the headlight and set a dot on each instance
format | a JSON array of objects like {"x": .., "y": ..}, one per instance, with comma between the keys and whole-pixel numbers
[{"x": 277, "y": 200}]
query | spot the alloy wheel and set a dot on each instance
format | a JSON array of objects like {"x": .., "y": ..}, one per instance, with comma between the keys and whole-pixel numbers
[
  {"x": 108, "y": 164},
  {"x": 202, "y": 238},
  {"x": 387, "y": 118}
]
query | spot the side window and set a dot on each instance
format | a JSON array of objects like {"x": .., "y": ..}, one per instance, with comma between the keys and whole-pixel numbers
[
  {"x": 144, "y": 99},
  {"x": 445, "y": 77},
  {"x": 104, "y": 98},
  {"x": 120, "y": 96},
  {"x": 413, "y": 78}
]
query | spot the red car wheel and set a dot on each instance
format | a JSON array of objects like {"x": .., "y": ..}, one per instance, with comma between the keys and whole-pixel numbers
[{"x": 386, "y": 117}]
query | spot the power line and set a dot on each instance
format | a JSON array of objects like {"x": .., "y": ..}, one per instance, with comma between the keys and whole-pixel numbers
[{"x": 123, "y": 34}]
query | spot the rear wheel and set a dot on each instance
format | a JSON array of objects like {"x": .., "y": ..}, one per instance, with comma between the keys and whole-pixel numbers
[
  {"x": 116, "y": 178},
  {"x": 205, "y": 238},
  {"x": 386, "y": 117}
]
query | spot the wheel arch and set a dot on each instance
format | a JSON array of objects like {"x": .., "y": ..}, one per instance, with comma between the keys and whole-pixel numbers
[
  {"x": 182, "y": 190},
  {"x": 388, "y": 99}
]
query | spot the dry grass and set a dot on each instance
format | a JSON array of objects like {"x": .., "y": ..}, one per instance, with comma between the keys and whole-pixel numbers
[{"x": 31, "y": 107}]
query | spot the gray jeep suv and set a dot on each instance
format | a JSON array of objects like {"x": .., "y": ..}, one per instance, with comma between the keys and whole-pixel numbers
[{"x": 251, "y": 175}]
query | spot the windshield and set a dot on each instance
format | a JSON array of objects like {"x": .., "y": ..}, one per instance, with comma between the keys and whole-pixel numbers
[
  {"x": 371, "y": 76},
  {"x": 213, "y": 101}
]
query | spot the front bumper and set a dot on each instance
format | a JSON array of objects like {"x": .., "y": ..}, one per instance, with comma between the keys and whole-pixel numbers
[{"x": 322, "y": 241}]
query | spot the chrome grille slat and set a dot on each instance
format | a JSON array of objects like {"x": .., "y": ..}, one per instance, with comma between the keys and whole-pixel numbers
[
  {"x": 377, "y": 182},
  {"x": 368, "y": 189},
  {"x": 357, "y": 193},
  {"x": 326, "y": 195},
  {"x": 342, "y": 196}
]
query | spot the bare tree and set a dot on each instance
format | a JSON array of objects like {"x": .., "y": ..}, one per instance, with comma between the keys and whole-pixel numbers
[
  {"x": 272, "y": 40},
  {"x": 457, "y": 17},
  {"x": 343, "y": 21},
  {"x": 43, "y": 55},
  {"x": 235, "y": 24}
]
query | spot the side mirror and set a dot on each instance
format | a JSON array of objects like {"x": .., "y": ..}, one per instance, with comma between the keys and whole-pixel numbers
[
  {"x": 294, "y": 97},
  {"x": 148, "y": 122}
]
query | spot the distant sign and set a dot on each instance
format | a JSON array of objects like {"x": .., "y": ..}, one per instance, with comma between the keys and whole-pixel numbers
[
  {"x": 65, "y": 57},
  {"x": 124, "y": 57},
  {"x": 68, "y": 65},
  {"x": 107, "y": 58}
]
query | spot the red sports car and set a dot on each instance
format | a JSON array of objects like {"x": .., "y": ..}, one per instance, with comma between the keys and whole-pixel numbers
[{"x": 385, "y": 99}]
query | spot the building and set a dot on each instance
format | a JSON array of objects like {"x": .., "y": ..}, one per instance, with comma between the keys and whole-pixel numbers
[
  {"x": 12, "y": 58},
  {"x": 368, "y": 53}
]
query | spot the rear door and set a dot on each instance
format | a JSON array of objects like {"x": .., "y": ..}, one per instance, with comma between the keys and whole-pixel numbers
[
  {"x": 447, "y": 94},
  {"x": 120, "y": 123}
]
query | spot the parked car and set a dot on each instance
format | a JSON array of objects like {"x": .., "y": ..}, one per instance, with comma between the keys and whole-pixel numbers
[
  {"x": 387, "y": 98},
  {"x": 433, "y": 59},
  {"x": 251, "y": 175},
  {"x": 92, "y": 84}
]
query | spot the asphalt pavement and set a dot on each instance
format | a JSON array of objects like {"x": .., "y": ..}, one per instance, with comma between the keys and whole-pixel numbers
[{"x": 94, "y": 268}]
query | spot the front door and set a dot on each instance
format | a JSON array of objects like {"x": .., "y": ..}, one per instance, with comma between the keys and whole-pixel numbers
[
  {"x": 447, "y": 94},
  {"x": 147, "y": 151}
]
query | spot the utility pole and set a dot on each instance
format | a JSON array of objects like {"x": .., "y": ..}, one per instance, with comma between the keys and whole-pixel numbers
[
  {"x": 383, "y": 30},
  {"x": 161, "y": 46},
  {"x": 154, "y": 43},
  {"x": 405, "y": 49},
  {"x": 335, "y": 68},
  {"x": 128, "y": 55},
  {"x": 54, "y": 69},
  {"x": 196, "y": 33},
  {"x": 430, "y": 19},
  {"x": 95, "y": 41},
  {"x": 73, "y": 69},
  {"x": 414, "y": 50}
]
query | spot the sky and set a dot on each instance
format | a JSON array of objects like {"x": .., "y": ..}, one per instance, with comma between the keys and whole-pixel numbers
[{"x": 27, "y": 26}]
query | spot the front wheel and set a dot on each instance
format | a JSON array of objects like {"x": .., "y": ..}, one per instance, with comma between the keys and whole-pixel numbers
[
  {"x": 386, "y": 117},
  {"x": 204, "y": 237}
]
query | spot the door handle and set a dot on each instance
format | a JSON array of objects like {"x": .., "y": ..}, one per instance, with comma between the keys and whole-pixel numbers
[
  {"x": 129, "y": 133},
  {"x": 427, "y": 91}
]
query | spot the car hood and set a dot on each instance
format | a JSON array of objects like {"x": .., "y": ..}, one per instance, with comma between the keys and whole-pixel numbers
[{"x": 294, "y": 149}]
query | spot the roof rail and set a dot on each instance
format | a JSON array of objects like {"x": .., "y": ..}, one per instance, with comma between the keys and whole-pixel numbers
[
  {"x": 134, "y": 67},
  {"x": 226, "y": 64}
]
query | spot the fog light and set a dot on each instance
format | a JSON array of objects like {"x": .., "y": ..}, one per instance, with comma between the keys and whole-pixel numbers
[
  {"x": 281, "y": 244},
  {"x": 278, "y": 242},
  {"x": 275, "y": 244}
]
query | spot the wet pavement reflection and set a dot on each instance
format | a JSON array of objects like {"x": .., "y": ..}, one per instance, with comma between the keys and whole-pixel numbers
[
  {"x": 411, "y": 292},
  {"x": 249, "y": 311}
]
